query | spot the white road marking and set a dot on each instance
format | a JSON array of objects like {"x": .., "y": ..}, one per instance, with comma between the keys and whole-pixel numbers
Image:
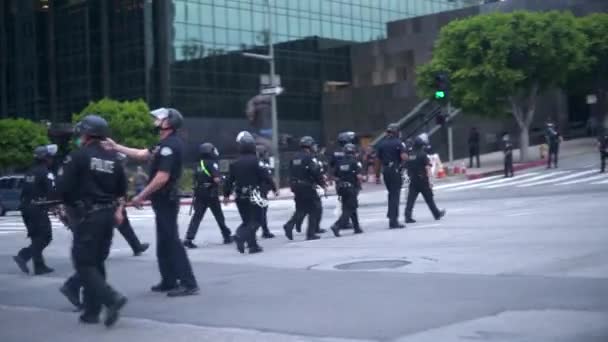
[
  {"x": 559, "y": 179},
  {"x": 468, "y": 182},
  {"x": 587, "y": 179},
  {"x": 502, "y": 180},
  {"x": 527, "y": 180}
]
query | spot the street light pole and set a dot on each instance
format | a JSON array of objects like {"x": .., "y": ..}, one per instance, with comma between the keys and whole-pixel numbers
[
  {"x": 273, "y": 100},
  {"x": 450, "y": 135},
  {"x": 273, "y": 103}
]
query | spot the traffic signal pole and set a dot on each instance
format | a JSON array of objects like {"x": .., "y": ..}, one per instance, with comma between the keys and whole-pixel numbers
[{"x": 450, "y": 135}]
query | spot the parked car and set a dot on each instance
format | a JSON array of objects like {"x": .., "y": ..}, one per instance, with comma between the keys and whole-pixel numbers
[{"x": 10, "y": 193}]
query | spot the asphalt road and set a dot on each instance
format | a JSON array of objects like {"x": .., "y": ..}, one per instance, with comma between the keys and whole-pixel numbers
[{"x": 523, "y": 259}]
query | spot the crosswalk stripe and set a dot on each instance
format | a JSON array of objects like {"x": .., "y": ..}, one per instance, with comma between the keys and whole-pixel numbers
[
  {"x": 587, "y": 179},
  {"x": 603, "y": 182},
  {"x": 526, "y": 180},
  {"x": 447, "y": 186},
  {"x": 559, "y": 179},
  {"x": 502, "y": 180}
]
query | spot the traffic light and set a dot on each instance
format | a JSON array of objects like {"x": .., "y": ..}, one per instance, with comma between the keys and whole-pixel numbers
[{"x": 441, "y": 86}]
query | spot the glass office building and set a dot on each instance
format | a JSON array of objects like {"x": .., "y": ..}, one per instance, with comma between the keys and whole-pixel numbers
[{"x": 57, "y": 55}]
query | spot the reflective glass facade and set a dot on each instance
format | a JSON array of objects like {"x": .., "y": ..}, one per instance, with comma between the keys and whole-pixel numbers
[{"x": 210, "y": 78}]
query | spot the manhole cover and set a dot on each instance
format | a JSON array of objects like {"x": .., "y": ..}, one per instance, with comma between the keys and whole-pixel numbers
[{"x": 372, "y": 265}]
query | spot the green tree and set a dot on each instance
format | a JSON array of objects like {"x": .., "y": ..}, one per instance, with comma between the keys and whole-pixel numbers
[
  {"x": 593, "y": 77},
  {"x": 18, "y": 138},
  {"x": 130, "y": 121},
  {"x": 500, "y": 63}
]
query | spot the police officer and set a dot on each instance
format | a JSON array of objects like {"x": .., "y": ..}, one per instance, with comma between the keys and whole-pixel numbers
[
  {"x": 125, "y": 228},
  {"x": 507, "y": 148},
  {"x": 348, "y": 184},
  {"x": 305, "y": 175},
  {"x": 91, "y": 182},
  {"x": 419, "y": 172},
  {"x": 246, "y": 177},
  {"x": 177, "y": 278},
  {"x": 264, "y": 159},
  {"x": 553, "y": 139},
  {"x": 344, "y": 138},
  {"x": 206, "y": 194},
  {"x": 392, "y": 154},
  {"x": 603, "y": 147},
  {"x": 38, "y": 185}
]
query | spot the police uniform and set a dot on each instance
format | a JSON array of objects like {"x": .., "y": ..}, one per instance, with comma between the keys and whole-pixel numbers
[
  {"x": 127, "y": 232},
  {"x": 420, "y": 183},
  {"x": 305, "y": 175},
  {"x": 508, "y": 152},
  {"x": 553, "y": 140},
  {"x": 603, "y": 147},
  {"x": 38, "y": 185},
  {"x": 90, "y": 182},
  {"x": 246, "y": 177},
  {"x": 264, "y": 190},
  {"x": 389, "y": 152},
  {"x": 173, "y": 261},
  {"x": 347, "y": 173},
  {"x": 206, "y": 195}
]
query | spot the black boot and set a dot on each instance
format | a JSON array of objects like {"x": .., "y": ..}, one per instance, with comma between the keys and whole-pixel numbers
[
  {"x": 336, "y": 230},
  {"x": 396, "y": 225},
  {"x": 358, "y": 230},
  {"x": 240, "y": 244},
  {"x": 113, "y": 310},
  {"x": 142, "y": 248},
  {"x": 163, "y": 287},
  {"x": 288, "y": 231},
  {"x": 182, "y": 291},
  {"x": 189, "y": 244},
  {"x": 255, "y": 249},
  {"x": 22, "y": 264},
  {"x": 73, "y": 295},
  {"x": 313, "y": 237},
  {"x": 42, "y": 269},
  {"x": 228, "y": 239},
  {"x": 410, "y": 220},
  {"x": 267, "y": 234}
]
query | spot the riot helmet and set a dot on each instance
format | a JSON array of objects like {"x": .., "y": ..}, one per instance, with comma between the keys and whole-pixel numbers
[
  {"x": 92, "y": 126},
  {"x": 173, "y": 117},
  {"x": 307, "y": 142},
  {"x": 208, "y": 150}
]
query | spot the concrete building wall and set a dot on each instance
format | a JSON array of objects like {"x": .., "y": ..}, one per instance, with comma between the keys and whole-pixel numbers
[{"x": 383, "y": 87}]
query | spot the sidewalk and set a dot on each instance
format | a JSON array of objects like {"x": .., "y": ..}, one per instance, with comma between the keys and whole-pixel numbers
[{"x": 492, "y": 163}]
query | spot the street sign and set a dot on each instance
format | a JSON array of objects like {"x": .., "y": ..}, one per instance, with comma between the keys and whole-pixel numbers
[
  {"x": 272, "y": 91},
  {"x": 591, "y": 99}
]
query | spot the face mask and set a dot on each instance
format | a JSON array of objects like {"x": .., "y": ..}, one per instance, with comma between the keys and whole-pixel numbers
[
  {"x": 156, "y": 130},
  {"x": 77, "y": 142}
]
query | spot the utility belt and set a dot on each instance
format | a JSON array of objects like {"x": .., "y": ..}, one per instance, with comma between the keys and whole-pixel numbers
[
  {"x": 393, "y": 166},
  {"x": 345, "y": 185},
  {"x": 254, "y": 195},
  {"x": 299, "y": 182}
]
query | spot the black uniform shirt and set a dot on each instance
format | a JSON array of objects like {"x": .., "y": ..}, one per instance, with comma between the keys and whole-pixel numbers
[
  {"x": 417, "y": 167},
  {"x": 390, "y": 150},
  {"x": 335, "y": 158},
  {"x": 508, "y": 148},
  {"x": 553, "y": 137},
  {"x": 347, "y": 170},
  {"x": 245, "y": 174},
  {"x": 204, "y": 173},
  {"x": 38, "y": 184},
  {"x": 604, "y": 143},
  {"x": 92, "y": 175},
  {"x": 167, "y": 157},
  {"x": 304, "y": 168}
]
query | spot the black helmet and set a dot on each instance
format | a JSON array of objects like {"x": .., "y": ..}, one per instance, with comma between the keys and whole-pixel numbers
[
  {"x": 420, "y": 142},
  {"x": 208, "y": 150},
  {"x": 246, "y": 143},
  {"x": 346, "y": 137},
  {"x": 94, "y": 126},
  {"x": 45, "y": 151},
  {"x": 307, "y": 142},
  {"x": 172, "y": 115},
  {"x": 392, "y": 128},
  {"x": 350, "y": 149}
]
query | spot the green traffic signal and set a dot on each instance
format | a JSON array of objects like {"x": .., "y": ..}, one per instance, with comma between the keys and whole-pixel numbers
[{"x": 440, "y": 94}]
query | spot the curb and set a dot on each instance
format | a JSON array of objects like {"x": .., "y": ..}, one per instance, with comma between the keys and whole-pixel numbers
[{"x": 516, "y": 167}]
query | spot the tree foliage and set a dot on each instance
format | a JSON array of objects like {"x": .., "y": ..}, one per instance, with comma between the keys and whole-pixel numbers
[
  {"x": 594, "y": 74},
  {"x": 500, "y": 62},
  {"x": 130, "y": 121},
  {"x": 18, "y": 138}
]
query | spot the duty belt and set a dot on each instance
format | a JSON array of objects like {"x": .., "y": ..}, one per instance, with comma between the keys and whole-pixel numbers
[{"x": 100, "y": 206}]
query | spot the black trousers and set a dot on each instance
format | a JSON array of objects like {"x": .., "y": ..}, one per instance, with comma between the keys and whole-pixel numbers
[
  {"x": 251, "y": 215},
  {"x": 603, "y": 155},
  {"x": 553, "y": 156},
  {"x": 473, "y": 154},
  {"x": 308, "y": 203},
  {"x": 173, "y": 261},
  {"x": 350, "y": 203},
  {"x": 264, "y": 217},
  {"x": 39, "y": 231},
  {"x": 509, "y": 165},
  {"x": 126, "y": 230},
  {"x": 393, "y": 182},
  {"x": 90, "y": 249},
  {"x": 420, "y": 187},
  {"x": 201, "y": 203}
]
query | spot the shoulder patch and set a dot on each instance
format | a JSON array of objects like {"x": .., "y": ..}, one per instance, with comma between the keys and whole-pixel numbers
[
  {"x": 215, "y": 166},
  {"x": 359, "y": 164},
  {"x": 166, "y": 151}
]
